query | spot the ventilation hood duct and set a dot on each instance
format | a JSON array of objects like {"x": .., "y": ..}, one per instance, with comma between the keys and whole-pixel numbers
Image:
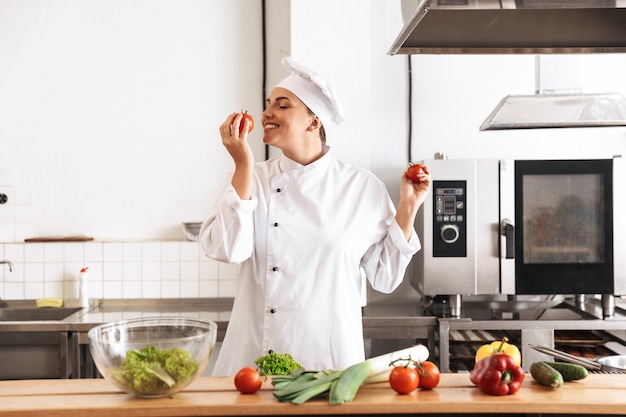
[{"x": 514, "y": 26}]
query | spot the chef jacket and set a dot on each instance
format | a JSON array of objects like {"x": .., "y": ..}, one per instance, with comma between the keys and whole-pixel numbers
[{"x": 302, "y": 241}]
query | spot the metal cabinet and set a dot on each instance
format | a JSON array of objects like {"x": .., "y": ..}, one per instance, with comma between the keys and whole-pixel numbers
[
  {"x": 34, "y": 354},
  {"x": 538, "y": 332}
]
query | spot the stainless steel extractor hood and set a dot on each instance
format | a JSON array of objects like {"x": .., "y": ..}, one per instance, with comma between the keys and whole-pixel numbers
[
  {"x": 558, "y": 101},
  {"x": 557, "y": 110},
  {"x": 514, "y": 26}
]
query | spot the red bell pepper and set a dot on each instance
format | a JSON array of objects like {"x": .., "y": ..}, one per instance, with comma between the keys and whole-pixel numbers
[{"x": 497, "y": 374}]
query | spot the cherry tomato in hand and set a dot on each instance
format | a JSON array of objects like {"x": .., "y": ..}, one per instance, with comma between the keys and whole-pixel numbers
[
  {"x": 429, "y": 375},
  {"x": 403, "y": 380},
  {"x": 246, "y": 116},
  {"x": 248, "y": 380},
  {"x": 413, "y": 171}
]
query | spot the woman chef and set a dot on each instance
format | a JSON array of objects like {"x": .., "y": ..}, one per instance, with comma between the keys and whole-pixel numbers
[{"x": 302, "y": 226}]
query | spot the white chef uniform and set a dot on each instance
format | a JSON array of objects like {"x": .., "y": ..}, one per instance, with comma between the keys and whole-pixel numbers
[{"x": 301, "y": 241}]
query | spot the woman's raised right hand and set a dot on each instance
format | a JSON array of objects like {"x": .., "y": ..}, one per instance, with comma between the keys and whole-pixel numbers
[{"x": 235, "y": 142}]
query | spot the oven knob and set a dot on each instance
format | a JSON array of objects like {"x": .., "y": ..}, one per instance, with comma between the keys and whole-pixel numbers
[{"x": 449, "y": 233}]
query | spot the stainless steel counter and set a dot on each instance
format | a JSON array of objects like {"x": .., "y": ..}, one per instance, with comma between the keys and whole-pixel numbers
[
  {"x": 393, "y": 321},
  {"x": 397, "y": 321},
  {"x": 384, "y": 323}
]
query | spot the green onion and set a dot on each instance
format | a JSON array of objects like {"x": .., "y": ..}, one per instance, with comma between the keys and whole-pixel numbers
[{"x": 342, "y": 385}]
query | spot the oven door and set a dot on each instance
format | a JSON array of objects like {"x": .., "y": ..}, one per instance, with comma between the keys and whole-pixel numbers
[{"x": 563, "y": 226}]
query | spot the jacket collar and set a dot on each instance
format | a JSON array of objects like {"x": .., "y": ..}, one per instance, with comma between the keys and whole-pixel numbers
[{"x": 287, "y": 164}]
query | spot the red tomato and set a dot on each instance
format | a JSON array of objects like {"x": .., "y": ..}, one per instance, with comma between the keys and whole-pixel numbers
[
  {"x": 403, "y": 380},
  {"x": 429, "y": 375},
  {"x": 248, "y": 380},
  {"x": 245, "y": 117},
  {"x": 413, "y": 171}
]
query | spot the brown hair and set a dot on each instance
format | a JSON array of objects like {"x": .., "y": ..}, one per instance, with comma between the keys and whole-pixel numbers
[
  {"x": 322, "y": 130},
  {"x": 323, "y": 135}
]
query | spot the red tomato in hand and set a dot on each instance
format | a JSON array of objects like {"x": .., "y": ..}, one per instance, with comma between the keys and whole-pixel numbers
[
  {"x": 429, "y": 375},
  {"x": 413, "y": 171},
  {"x": 245, "y": 117},
  {"x": 403, "y": 380},
  {"x": 248, "y": 380}
]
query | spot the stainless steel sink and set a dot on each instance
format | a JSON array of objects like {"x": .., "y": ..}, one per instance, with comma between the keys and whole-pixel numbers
[{"x": 36, "y": 314}]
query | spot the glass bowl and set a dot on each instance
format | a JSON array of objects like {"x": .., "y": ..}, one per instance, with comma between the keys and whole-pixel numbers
[{"x": 152, "y": 357}]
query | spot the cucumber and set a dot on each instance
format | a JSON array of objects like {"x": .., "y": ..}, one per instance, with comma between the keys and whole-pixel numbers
[
  {"x": 570, "y": 371},
  {"x": 546, "y": 375}
]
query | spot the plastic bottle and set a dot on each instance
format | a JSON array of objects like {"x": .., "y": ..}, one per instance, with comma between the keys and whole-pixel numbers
[{"x": 83, "y": 296}]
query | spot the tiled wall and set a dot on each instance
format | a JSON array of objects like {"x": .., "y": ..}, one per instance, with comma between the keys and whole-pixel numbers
[
  {"x": 16, "y": 213},
  {"x": 151, "y": 269}
]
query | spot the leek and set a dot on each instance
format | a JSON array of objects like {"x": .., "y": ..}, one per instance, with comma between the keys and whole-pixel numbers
[
  {"x": 342, "y": 385},
  {"x": 354, "y": 376}
]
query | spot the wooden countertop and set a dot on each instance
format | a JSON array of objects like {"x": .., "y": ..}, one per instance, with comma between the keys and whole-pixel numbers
[{"x": 211, "y": 396}]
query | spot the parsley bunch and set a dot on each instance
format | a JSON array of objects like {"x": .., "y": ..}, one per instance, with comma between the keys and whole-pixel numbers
[{"x": 276, "y": 364}]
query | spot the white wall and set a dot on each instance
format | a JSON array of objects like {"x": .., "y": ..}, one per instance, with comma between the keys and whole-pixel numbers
[
  {"x": 109, "y": 109},
  {"x": 454, "y": 95}
]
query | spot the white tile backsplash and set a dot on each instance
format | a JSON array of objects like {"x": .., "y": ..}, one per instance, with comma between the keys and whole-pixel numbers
[
  {"x": 190, "y": 251},
  {"x": 170, "y": 251},
  {"x": 131, "y": 289},
  {"x": 112, "y": 271},
  {"x": 112, "y": 251},
  {"x": 16, "y": 215},
  {"x": 35, "y": 290},
  {"x": 7, "y": 232},
  {"x": 171, "y": 288},
  {"x": 55, "y": 271},
  {"x": 131, "y": 270},
  {"x": 151, "y": 251},
  {"x": 151, "y": 289},
  {"x": 33, "y": 252},
  {"x": 189, "y": 271},
  {"x": 170, "y": 271},
  {"x": 131, "y": 251},
  {"x": 14, "y": 252},
  {"x": 53, "y": 252},
  {"x": 208, "y": 288},
  {"x": 155, "y": 269},
  {"x": 23, "y": 231},
  {"x": 113, "y": 289},
  {"x": 92, "y": 251},
  {"x": 227, "y": 288},
  {"x": 7, "y": 214},
  {"x": 23, "y": 196},
  {"x": 33, "y": 272},
  {"x": 151, "y": 270},
  {"x": 14, "y": 291}
]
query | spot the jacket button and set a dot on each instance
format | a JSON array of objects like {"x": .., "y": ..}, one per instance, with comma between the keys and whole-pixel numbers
[
  {"x": 275, "y": 269},
  {"x": 275, "y": 224},
  {"x": 270, "y": 351},
  {"x": 273, "y": 311},
  {"x": 278, "y": 190}
]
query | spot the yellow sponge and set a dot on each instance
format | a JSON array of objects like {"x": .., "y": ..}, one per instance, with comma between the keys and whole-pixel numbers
[{"x": 50, "y": 302}]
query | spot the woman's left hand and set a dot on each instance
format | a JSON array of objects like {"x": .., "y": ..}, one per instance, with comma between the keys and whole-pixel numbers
[
  {"x": 416, "y": 192},
  {"x": 412, "y": 196}
]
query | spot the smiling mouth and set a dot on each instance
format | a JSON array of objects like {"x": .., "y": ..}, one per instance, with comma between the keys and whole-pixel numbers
[{"x": 270, "y": 126}]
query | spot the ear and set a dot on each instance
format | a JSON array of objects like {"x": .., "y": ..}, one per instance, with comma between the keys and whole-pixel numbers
[{"x": 316, "y": 123}]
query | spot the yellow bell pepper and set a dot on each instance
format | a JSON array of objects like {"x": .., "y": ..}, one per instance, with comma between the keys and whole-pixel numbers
[{"x": 499, "y": 346}]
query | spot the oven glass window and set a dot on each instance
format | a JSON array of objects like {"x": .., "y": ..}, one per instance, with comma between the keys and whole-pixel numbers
[{"x": 563, "y": 218}]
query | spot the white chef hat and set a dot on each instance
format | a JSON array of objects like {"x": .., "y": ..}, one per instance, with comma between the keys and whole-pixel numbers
[{"x": 314, "y": 91}]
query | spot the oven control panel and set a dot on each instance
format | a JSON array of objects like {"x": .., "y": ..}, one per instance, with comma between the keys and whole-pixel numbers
[{"x": 449, "y": 219}]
